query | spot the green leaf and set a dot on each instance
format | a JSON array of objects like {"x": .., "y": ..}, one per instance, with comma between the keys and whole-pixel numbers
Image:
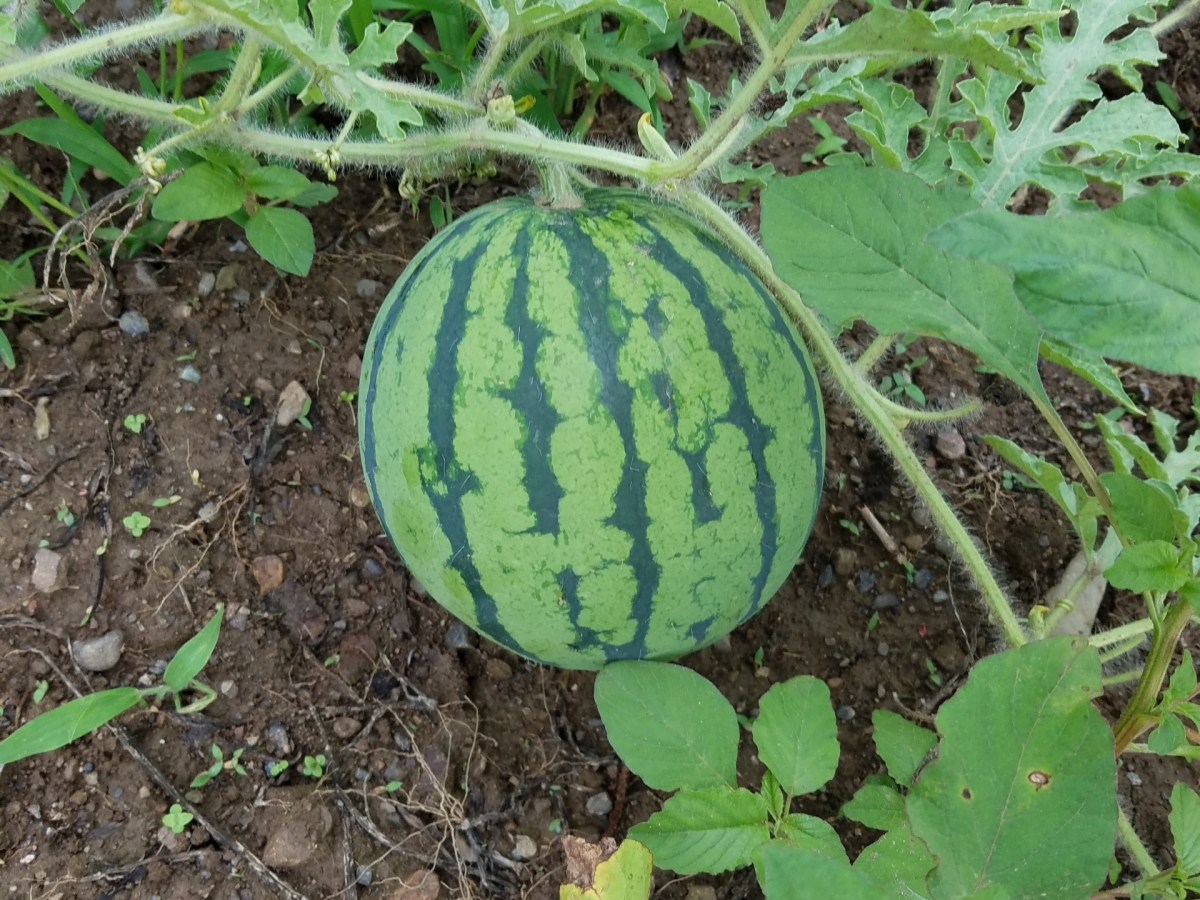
[
  {"x": 283, "y": 237},
  {"x": 902, "y": 745},
  {"x": 1169, "y": 736},
  {"x": 6, "y": 352},
  {"x": 787, "y": 873},
  {"x": 669, "y": 725},
  {"x": 705, "y": 831},
  {"x": 277, "y": 182},
  {"x": 851, "y": 242},
  {"x": 1189, "y": 591},
  {"x": 1185, "y": 827},
  {"x": 194, "y": 654},
  {"x": 626, "y": 875},
  {"x": 717, "y": 12},
  {"x": 8, "y": 30},
  {"x": 772, "y": 793},
  {"x": 1183, "y": 681},
  {"x": 796, "y": 734},
  {"x": 315, "y": 194},
  {"x": 1143, "y": 512},
  {"x": 1089, "y": 366},
  {"x": 15, "y": 277},
  {"x": 205, "y": 191},
  {"x": 876, "y": 806},
  {"x": 380, "y": 48},
  {"x": 1025, "y": 762},
  {"x": 65, "y": 723},
  {"x": 898, "y": 863},
  {"x": 78, "y": 141},
  {"x": 700, "y": 100},
  {"x": 1152, "y": 566},
  {"x": 811, "y": 833},
  {"x": 1124, "y": 283}
]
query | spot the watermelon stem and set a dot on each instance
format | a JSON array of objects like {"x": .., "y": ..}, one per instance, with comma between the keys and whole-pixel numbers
[{"x": 558, "y": 191}]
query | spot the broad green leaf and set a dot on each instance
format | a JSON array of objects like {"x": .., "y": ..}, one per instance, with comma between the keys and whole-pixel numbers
[
  {"x": 1183, "y": 680},
  {"x": 6, "y": 352},
  {"x": 852, "y": 243},
  {"x": 78, "y": 140},
  {"x": 1090, "y": 367},
  {"x": 876, "y": 806},
  {"x": 1142, "y": 511},
  {"x": 1189, "y": 591},
  {"x": 315, "y": 194},
  {"x": 8, "y": 30},
  {"x": 1152, "y": 566},
  {"x": 902, "y": 745},
  {"x": 1168, "y": 737},
  {"x": 65, "y": 723},
  {"x": 811, "y": 833},
  {"x": 796, "y": 734},
  {"x": 884, "y": 32},
  {"x": 788, "y": 873},
  {"x": 1124, "y": 283},
  {"x": 283, "y": 237},
  {"x": 277, "y": 182},
  {"x": 194, "y": 654},
  {"x": 205, "y": 191},
  {"x": 669, "y": 725},
  {"x": 1128, "y": 450},
  {"x": 899, "y": 864},
  {"x": 705, "y": 831},
  {"x": 626, "y": 875},
  {"x": 1185, "y": 827},
  {"x": 380, "y": 48},
  {"x": 1025, "y": 762},
  {"x": 717, "y": 12},
  {"x": 15, "y": 277}
]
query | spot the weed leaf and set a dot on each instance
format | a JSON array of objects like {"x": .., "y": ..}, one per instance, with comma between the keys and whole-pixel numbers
[
  {"x": 671, "y": 726},
  {"x": 65, "y": 723},
  {"x": 205, "y": 191},
  {"x": 1024, "y": 761},
  {"x": 788, "y": 873},
  {"x": 1143, "y": 512},
  {"x": 811, "y": 833},
  {"x": 851, "y": 242},
  {"x": 192, "y": 656},
  {"x": 796, "y": 734},
  {"x": 1124, "y": 283},
  {"x": 876, "y": 806},
  {"x": 902, "y": 745},
  {"x": 898, "y": 863},
  {"x": 1089, "y": 366},
  {"x": 1185, "y": 827},
  {"x": 283, "y": 237},
  {"x": 1152, "y": 566},
  {"x": 705, "y": 831}
]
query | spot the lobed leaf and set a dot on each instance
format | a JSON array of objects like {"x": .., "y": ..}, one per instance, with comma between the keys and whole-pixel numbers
[{"x": 1143, "y": 512}]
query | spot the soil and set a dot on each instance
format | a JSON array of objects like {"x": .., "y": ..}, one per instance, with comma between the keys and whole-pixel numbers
[{"x": 331, "y": 649}]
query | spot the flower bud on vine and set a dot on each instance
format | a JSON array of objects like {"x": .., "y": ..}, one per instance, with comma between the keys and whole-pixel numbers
[
  {"x": 502, "y": 112},
  {"x": 656, "y": 145}
]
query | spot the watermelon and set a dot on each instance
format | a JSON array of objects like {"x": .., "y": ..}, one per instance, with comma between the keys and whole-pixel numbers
[{"x": 590, "y": 433}]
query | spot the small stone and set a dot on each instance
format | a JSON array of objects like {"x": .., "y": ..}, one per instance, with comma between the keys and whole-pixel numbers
[
  {"x": 367, "y": 288},
  {"x": 240, "y": 298},
  {"x": 458, "y": 637},
  {"x": 940, "y": 596},
  {"x": 208, "y": 512},
  {"x": 294, "y": 348},
  {"x": 864, "y": 580},
  {"x": 359, "y": 497},
  {"x": 524, "y": 848},
  {"x": 99, "y": 654},
  {"x": 189, "y": 374},
  {"x": 293, "y": 843},
  {"x": 845, "y": 561},
  {"x": 291, "y": 403},
  {"x": 420, "y": 885},
  {"x": 238, "y": 246},
  {"x": 835, "y": 682},
  {"x": 268, "y": 572},
  {"x": 826, "y": 577},
  {"x": 723, "y": 644},
  {"x": 886, "y": 601},
  {"x": 41, "y": 422},
  {"x": 227, "y": 276},
  {"x": 133, "y": 323},
  {"x": 372, "y": 568},
  {"x": 923, "y": 578},
  {"x": 364, "y": 876},
  {"x": 207, "y": 282},
  {"x": 346, "y": 728},
  {"x": 48, "y": 571},
  {"x": 883, "y": 648},
  {"x": 944, "y": 546},
  {"x": 498, "y": 669},
  {"x": 277, "y": 737},
  {"x": 1134, "y": 778},
  {"x": 229, "y": 689},
  {"x": 922, "y": 517},
  {"x": 914, "y": 542},
  {"x": 600, "y": 804},
  {"x": 950, "y": 445},
  {"x": 846, "y": 713},
  {"x": 354, "y": 366},
  {"x": 701, "y": 892},
  {"x": 1043, "y": 540}
]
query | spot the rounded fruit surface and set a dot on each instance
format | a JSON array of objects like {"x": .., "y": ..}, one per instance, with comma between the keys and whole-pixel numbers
[{"x": 590, "y": 433}]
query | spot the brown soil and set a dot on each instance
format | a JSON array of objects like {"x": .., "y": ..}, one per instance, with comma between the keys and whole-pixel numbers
[{"x": 348, "y": 658}]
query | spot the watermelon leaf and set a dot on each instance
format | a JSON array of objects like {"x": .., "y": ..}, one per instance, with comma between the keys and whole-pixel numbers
[
  {"x": 705, "y": 831},
  {"x": 876, "y": 806},
  {"x": 671, "y": 726},
  {"x": 796, "y": 734},
  {"x": 898, "y": 863}
]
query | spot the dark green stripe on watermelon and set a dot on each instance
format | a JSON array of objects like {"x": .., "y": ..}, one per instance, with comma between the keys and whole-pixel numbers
[{"x": 591, "y": 434}]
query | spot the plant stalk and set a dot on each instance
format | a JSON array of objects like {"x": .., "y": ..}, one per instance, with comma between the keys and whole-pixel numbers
[
  {"x": 1059, "y": 427},
  {"x": 482, "y": 79},
  {"x": 1136, "y": 716},
  {"x": 865, "y": 398},
  {"x": 875, "y": 350},
  {"x": 245, "y": 71},
  {"x": 1133, "y": 843}
]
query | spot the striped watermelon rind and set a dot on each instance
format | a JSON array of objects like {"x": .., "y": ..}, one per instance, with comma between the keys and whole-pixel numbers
[{"x": 590, "y": 433}]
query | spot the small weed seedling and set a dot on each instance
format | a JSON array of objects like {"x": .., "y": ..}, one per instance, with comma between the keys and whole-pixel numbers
[
  {"x": 314, "y": 766},
  {"x": 221, "y": 764},
  {"x": 177, "y": 819},
  {"x": 65, "y": 515},
  {"x": 277, "y": 768},
  {"x": 303, "y": 417},
  {"x": 135, "y": 422},
  {"x": 136, "y": 523}
]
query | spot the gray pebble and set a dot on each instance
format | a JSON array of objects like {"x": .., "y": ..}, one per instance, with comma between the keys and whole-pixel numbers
[
  {"x": 883, "y": 648},
  {"x": 826, "y": 577},
  {"x": 190, "y": 373},
  {"x": 158, "y": 667},
  {"x": 723, "y": 644},
  {"x": 524, "y": 848},
  {"x": 458, "y": 637},
  {"x": 950, "y": 445},
  {"x": 940, "y": 596},
  {"x": 944, "y": 546},
  {"x": 599, "y": 804},
  {"x": 1043, "y": 540},
  {"x": 99, "y": 654},
  {"x": 864, "y": 580},
  {"x": 278, "y": 737},
  {"x": 364, "y": 876},
  {"x": 362, "y": 775},
  {"x": 1134, "y": 778},
  {"x": 133, "y": 323},
  {"x": 366, "y": 288},
  {"x": 846, "y": 713},
  {"x": 921, "y": 516},
  {"x": 208, "y": 281},
  {"x": 240, "y": 298},
  {"x": 372, "y": 569},
  {"x": 923, "y": 578},
  {"x": 886, "y": 601},
  {"x": 238, "y": 246}
]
